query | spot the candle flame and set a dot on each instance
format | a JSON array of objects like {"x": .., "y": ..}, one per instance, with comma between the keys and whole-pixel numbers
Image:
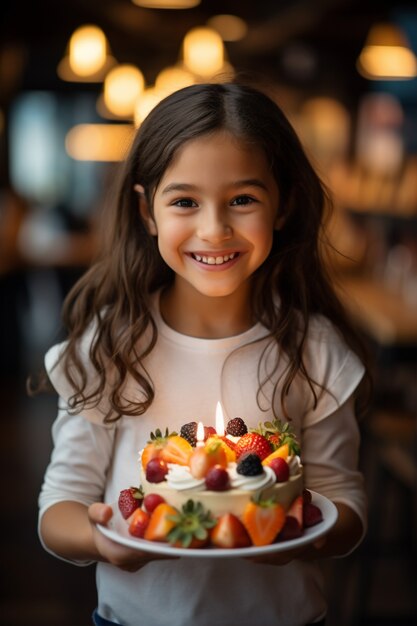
[
  {"x": 219, "y": 420},
  {"x": 200, "y": 433}
]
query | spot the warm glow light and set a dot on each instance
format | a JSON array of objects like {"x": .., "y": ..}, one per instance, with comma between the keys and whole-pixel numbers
[
  {"x": 122, "y": 87},
  {"x": 167, "y": 4},
  {"x": 203, "y": 51},
  {"x": 99, "y": 142},
  {"x": 145, "y": 103},
  {"x": 386, "y": 54},
  {"x": 229, "y": 27},
  {"x": 173, "y": 78},
  {"x": 219, "y": 420},
  {"x": 200, "y": 435},
  {"x": 87, "y": 50},
  {"x": 393, "y": 62}
]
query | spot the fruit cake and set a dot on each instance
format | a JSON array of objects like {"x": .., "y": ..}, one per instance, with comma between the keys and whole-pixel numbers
[{"x": 233, "y": 490}]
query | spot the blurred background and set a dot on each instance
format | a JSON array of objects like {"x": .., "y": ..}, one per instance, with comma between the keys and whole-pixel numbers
[{"x": 76, "y": 79}]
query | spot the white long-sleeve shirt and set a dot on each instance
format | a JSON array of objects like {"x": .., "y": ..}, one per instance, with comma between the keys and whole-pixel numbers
[{"x": 92, "y": 462}]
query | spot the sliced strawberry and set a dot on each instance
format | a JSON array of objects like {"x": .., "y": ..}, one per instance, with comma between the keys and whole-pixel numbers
[
  {"x": 129, "y": 500},
  {"x": 312, "y": 515},
  {"x": 159, "y": 523},
  {"x": 263, "y": 519},
  {"x": 296, "y": 511},
  {"x": 290, "y": 530},
  {"x": 229, "y": 532},
  {"x": 253, "y": 442},
  {"x": 139, "y": 523}
]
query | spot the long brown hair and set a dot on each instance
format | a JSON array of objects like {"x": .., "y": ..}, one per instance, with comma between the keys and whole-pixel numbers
[{"x": 114, "y": 296}]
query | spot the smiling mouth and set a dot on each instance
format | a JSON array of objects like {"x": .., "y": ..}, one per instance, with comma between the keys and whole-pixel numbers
[{"x": 215, "y": 260}]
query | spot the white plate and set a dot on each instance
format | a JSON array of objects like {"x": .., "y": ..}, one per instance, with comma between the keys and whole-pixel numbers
[{"x": 117, "y": 530}]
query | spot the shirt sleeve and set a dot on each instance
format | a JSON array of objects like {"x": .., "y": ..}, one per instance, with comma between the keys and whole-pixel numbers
[
  {"x": 336, "y": 370},
  {"x": 79, "y": 462},
  {"x": 330, "y": 451}
]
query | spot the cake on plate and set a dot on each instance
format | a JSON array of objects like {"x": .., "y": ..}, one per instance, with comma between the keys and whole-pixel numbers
[{"x": 205, "y": 488}]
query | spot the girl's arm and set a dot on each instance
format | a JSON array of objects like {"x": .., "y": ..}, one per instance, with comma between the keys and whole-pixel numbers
[
  {"x": 330, "y": 451},
  {"x": 68, "y": 529}
]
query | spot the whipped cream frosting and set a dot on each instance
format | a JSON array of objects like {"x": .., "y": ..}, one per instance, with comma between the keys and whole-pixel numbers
[
  {"x": 179, "y": 477},
  {"x": 251, "y": 483}
]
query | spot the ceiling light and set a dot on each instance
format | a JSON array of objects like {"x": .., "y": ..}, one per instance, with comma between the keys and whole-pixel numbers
[
  {"x": 87, "y": 50},
  {"x": 99, "y": 142},
  {"x": 167, "y": 4},
  {"x": 145, "y": 103},
  {"x": 386, "y": 55},
  {"x": 172, "y": 78},
  {"x": 88, "y": 58},
  {"x": 203, "y": 51},
  {"x": 122, "y": 87}
]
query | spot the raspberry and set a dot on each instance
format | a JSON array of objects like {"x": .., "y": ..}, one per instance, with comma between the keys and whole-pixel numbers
[
  {"x": 236, "y": 427},
  {"x": 189, "y": 432},
  {"x": 249, "y": 465}
]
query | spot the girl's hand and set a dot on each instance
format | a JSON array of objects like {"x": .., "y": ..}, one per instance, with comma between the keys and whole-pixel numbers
[{"x": 124, "y": 558}]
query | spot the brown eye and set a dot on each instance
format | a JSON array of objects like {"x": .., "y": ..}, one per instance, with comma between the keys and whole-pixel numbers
[{"x": 243, "y": 200}]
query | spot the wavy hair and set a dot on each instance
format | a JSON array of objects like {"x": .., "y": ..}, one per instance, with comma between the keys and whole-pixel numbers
[{"x": 114, "y": 295}]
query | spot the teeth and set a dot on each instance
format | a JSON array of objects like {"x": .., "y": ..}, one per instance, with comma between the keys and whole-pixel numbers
[{"x": 215, "y": 260}]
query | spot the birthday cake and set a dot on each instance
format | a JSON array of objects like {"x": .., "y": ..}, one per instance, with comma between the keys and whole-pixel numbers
[{"x": 205, "y": 488}]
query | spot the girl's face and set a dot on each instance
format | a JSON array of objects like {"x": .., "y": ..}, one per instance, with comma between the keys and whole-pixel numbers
[{"x": 215, "y": 210}]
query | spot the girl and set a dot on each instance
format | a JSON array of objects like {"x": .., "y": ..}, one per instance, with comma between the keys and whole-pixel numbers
[{"x": 210, "y": 287}]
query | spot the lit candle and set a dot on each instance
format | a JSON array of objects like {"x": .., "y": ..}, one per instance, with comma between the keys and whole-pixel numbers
[
  {"x": 200, "y": 435},
  {"x": 219, "y": 420}
]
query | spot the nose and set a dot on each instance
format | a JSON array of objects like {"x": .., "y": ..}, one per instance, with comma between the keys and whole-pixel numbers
[{"x": 213, "y": 225}]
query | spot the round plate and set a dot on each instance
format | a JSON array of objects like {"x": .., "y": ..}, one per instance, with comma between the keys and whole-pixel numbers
[{"x": 117, "y": 530}]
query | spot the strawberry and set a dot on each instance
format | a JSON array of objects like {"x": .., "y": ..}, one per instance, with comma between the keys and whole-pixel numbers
[
  {"x": 296, "y": 510},
  {"x": 290, "y": 530},
  {"x": 263, "y": 519},
  {"x": 151, "y": 501},
  {"x": 191, "y": 526},
  {"x": 176, "y": 450},
  {"x": 311, "y": 515},
  {"x": 279, "y": 433},
  {"x": 138, "y": 523},
  {"x": 129, "y": 500},
  {"x": 209, "y": 431},
  {"x": 253, "y": 442},
  {"x": 229, "y": 532},
  {"x": 160, "y": 523}
]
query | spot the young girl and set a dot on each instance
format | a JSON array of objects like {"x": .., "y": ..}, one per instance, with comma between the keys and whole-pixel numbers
[{"x": 210, "y": 287}]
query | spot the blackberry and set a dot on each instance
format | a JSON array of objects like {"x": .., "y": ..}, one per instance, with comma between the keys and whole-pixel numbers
[
  {"x": 250, "y": 465},
  {"x": 236, "y": 427},
  {"x": 189, "y": 432}
]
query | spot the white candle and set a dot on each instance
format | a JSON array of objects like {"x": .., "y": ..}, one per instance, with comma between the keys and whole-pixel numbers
[
  {"x": 200, "y": 435},
  {"x": 219, "y": 420}
]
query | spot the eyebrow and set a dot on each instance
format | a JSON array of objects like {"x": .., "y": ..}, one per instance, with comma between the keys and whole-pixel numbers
[{"x": 247, "y": 182}]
